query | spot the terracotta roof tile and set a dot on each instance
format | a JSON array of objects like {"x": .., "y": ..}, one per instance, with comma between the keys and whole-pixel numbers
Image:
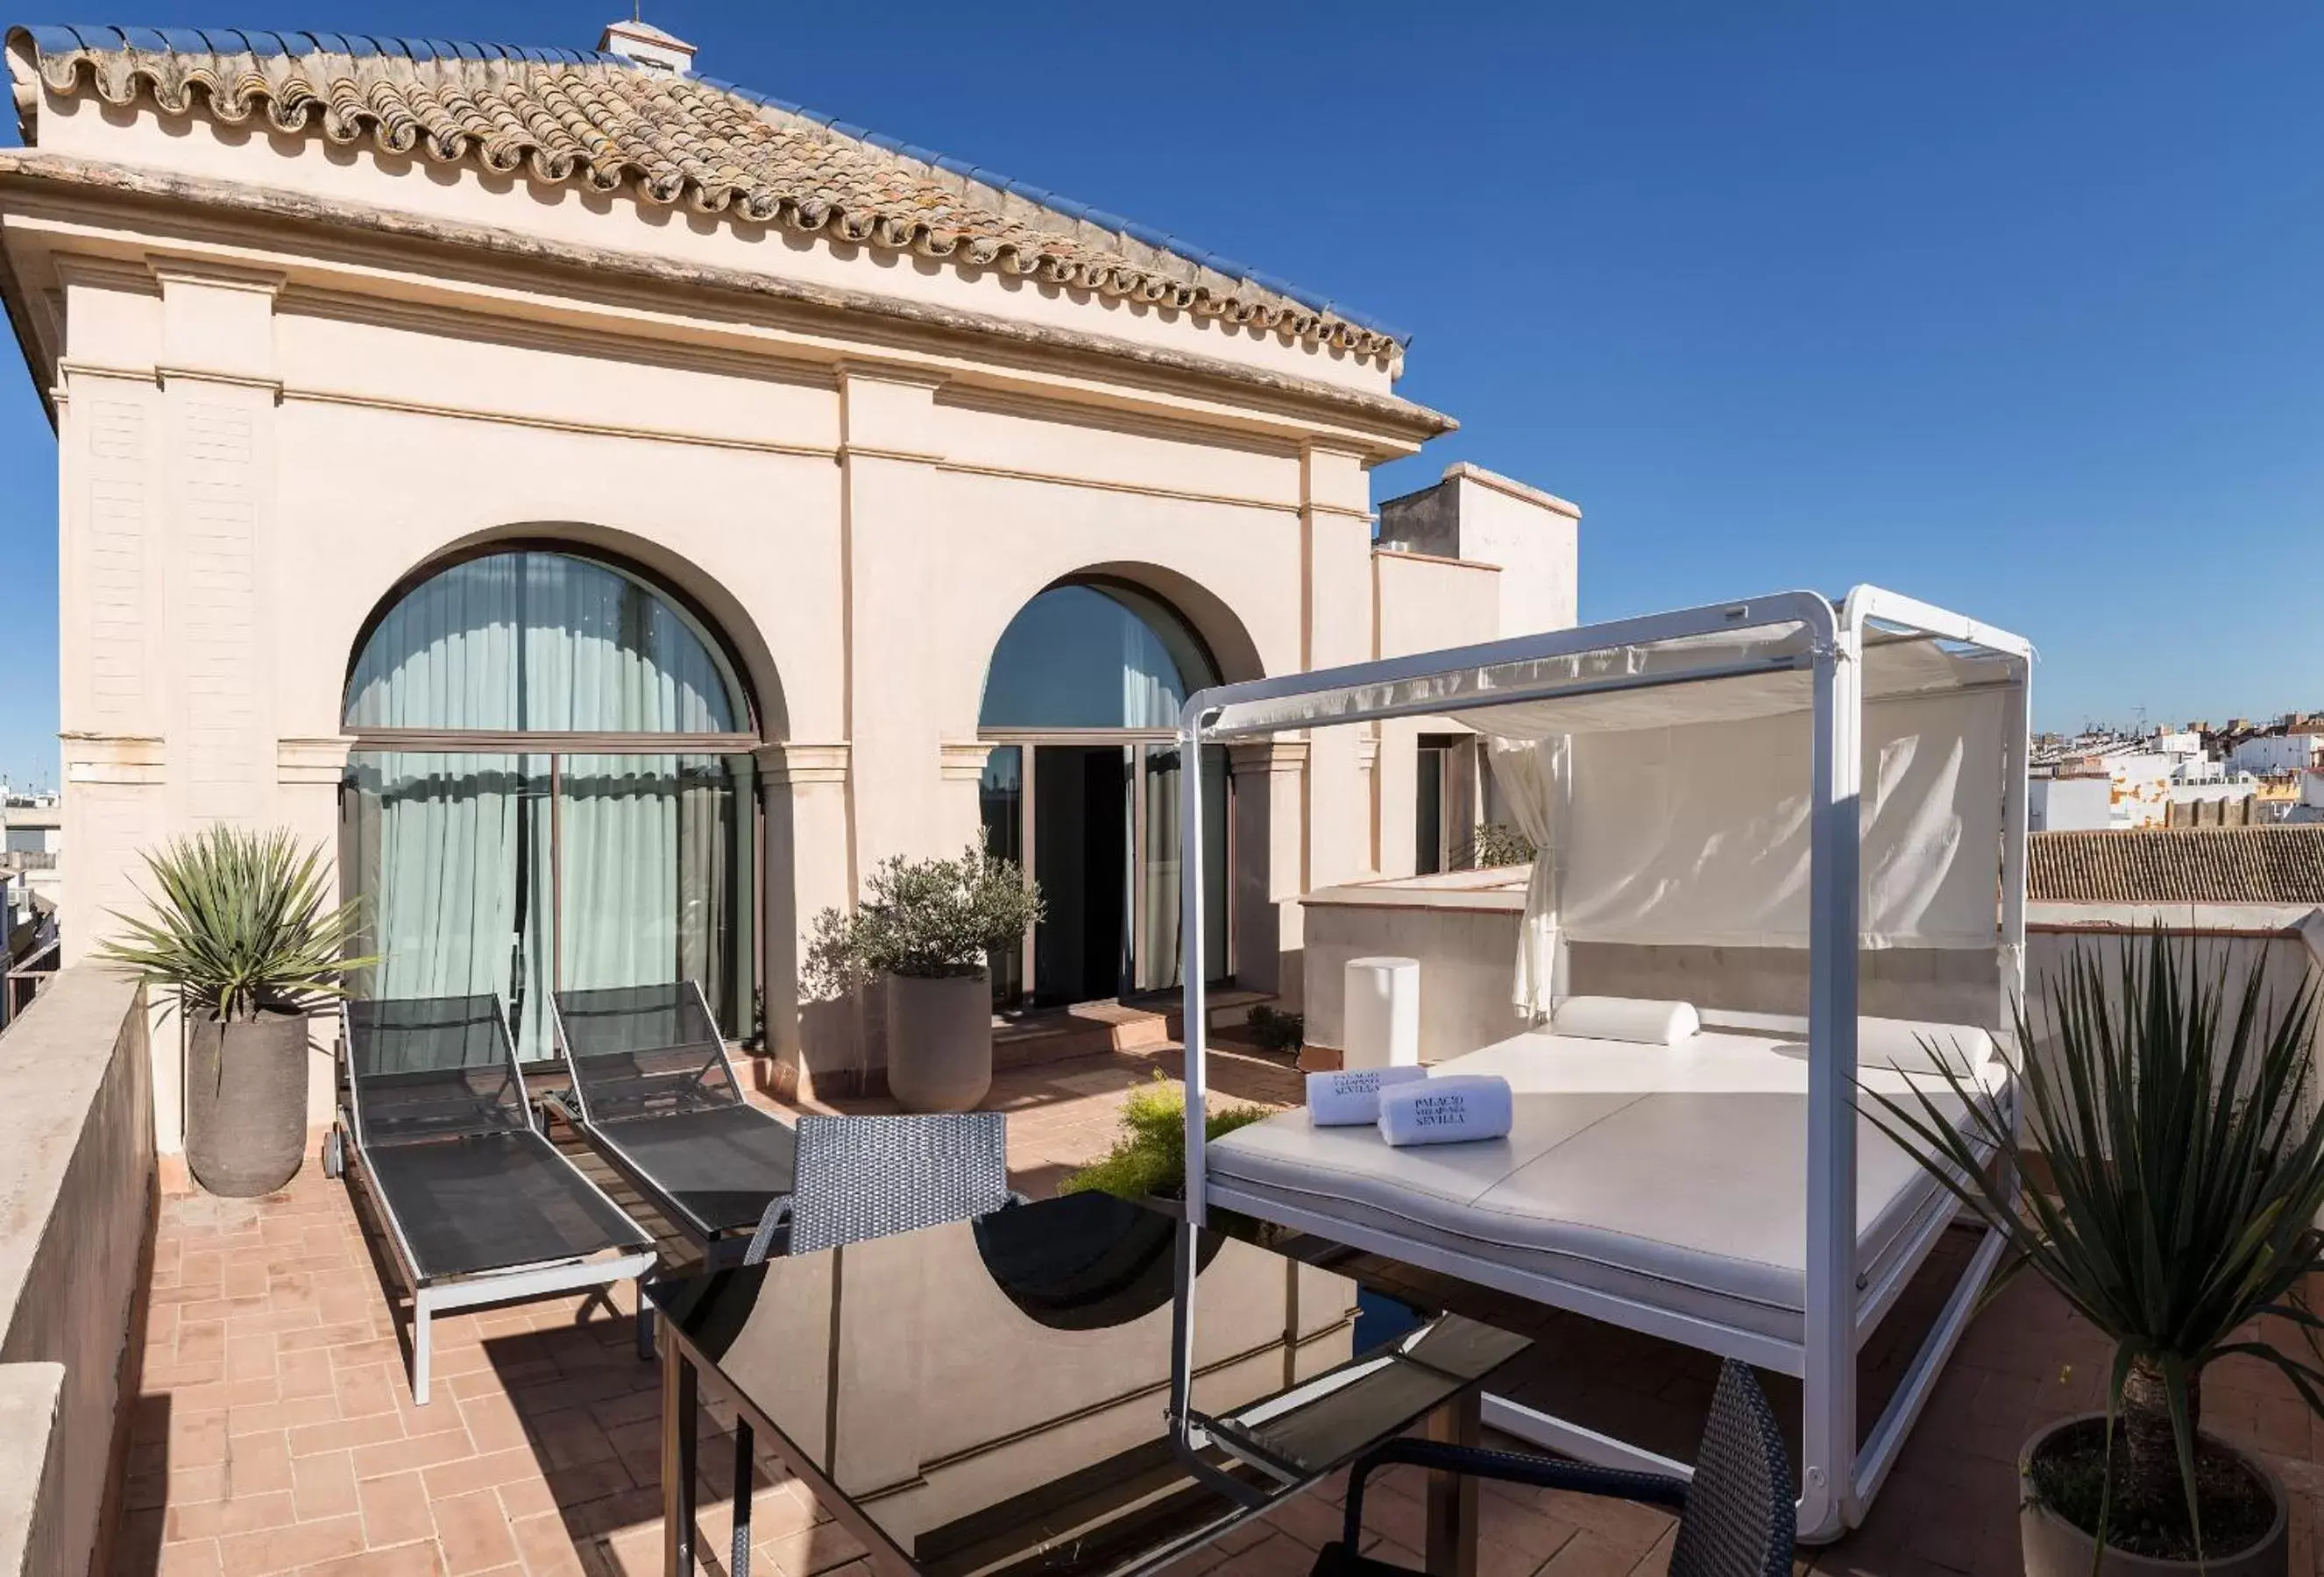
[
  {"x": 2249, "y": 865},
  {"x": 579, "y": 118}
]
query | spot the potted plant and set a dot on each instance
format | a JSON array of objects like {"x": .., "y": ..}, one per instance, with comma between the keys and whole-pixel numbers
[
  {"x": 240, "y": 927},
  {"x": 923, "y": 929},
  {"x": 2171, "y": 1116}
]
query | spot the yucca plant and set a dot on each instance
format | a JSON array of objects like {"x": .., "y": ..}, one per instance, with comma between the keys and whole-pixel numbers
[
  {"x": 240, "y": 923},
  {"x": 2171, "y": 1113}
]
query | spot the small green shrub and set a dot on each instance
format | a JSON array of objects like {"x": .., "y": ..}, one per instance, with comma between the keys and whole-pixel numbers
[
  {"x": 1150, "y": 1159},
  {"x": 1276, "y": 1031},
  {"x": 1495, "y": 843}
]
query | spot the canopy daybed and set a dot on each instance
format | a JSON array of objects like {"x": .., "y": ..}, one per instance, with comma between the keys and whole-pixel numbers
[{"x": 1747, "y": 784}]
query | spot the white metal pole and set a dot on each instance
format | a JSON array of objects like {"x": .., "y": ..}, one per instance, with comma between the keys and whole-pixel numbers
[
  {"x": 2017, "y": 738},
  {"x": 1829, "y": 1427},
  {"x": 1194, "y": 962}
]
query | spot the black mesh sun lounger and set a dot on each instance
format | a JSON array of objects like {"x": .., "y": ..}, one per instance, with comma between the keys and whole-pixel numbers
[
  {"x": 479, "y": 1207},
  {"x": 655, "y": 1094}
]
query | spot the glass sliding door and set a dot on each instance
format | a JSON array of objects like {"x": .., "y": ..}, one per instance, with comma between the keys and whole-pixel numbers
[
  {"x": 652, "y": 858},
  {"x": 1161, "y": 937},
  {"x": 448, "y": 853}
]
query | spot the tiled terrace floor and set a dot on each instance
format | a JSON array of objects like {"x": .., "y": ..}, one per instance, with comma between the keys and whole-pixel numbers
[{"x": 275, "y": 1433}]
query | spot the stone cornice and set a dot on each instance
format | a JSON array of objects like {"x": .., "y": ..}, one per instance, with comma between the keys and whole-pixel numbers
[{"x": 1399, "y": 422}]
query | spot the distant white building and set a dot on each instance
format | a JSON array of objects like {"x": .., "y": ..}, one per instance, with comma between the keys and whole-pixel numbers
[
  {"x": 2295, "y": 750},
  {"x": 2073, "y": 802}
]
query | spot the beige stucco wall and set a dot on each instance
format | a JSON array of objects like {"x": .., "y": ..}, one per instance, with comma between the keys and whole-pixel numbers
[
  {"x": 1462, "y": 930},
  {"x": 262, "y": 430},
  {"x": 77, "y": 1192}
]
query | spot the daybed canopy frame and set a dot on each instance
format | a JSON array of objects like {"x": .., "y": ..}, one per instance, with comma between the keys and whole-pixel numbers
[{"x": 1837, "y": 1478}]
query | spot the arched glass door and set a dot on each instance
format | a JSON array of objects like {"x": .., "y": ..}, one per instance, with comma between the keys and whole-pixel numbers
[
  {"x": 551, "y": 788},
  {"x": 1081, "y": 786}
]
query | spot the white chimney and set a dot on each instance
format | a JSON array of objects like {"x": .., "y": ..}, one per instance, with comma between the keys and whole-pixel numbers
[{"x": 648, "y": 46}]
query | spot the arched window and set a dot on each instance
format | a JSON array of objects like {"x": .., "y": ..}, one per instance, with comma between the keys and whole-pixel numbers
[
  {"x": 1093, "y": 655},
  {"x": 1081, "y": 786},
  {"x": 552, "y": 789},
  {"x": 534, "y": 641}
]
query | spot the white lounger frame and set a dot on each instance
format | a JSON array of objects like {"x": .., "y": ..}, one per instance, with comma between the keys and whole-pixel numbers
[
  {"x": 514, "y": 1284},
  {"x": 1838, "y": 1480}
]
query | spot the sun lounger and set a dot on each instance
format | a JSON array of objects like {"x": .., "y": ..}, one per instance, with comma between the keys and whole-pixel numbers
[
  {"x": 655, "y": 1094},
  {"x": 478, "y": 1206}
]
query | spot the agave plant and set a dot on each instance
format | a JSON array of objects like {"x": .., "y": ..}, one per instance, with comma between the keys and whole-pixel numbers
[
  {"x": 240, "y": 924},
  {"x": 2186, "y": 1169}
]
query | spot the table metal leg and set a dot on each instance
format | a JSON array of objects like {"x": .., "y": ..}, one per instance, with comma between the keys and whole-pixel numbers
[
  {"x": 1452, "y": 1497},
  {"x": 677, "y": 1433},
  {"x": 740, "y": 1566}
]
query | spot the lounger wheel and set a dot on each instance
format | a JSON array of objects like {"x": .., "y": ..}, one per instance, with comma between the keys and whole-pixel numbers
[{"x": 335, "y": 1154}]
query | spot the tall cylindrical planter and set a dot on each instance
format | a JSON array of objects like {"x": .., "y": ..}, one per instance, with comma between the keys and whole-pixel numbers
[
  {"x": 939, "y": 1041},
  {"x": 245, "y": 1101},
  {"x": 2054, "y": 1547}
]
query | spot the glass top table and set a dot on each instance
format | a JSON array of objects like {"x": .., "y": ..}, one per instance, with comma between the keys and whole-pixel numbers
[{"x": 1004, "y": 1394}]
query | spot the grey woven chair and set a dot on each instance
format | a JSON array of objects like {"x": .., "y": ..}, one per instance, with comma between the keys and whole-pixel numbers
[
  {"x": 1736, "y": 1519},
  {"x": 864, "y": 1177},
  {"x": 859, "y": 1177}
]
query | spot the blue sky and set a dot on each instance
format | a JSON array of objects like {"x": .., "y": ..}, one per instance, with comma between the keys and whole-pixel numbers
[{"x": 2017, "y": 308}]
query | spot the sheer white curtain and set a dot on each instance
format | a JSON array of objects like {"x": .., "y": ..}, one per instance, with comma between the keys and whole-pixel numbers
[
  {"x": 440, "y": 870},
  {"x": 1532, "y": 775},
  {"x": 460, "y": 862}
]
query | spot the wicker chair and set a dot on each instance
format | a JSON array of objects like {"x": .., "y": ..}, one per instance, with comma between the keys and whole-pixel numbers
[
  {"x": 1736, "y": 1519},
  {"x": 862, "y": 1177}
]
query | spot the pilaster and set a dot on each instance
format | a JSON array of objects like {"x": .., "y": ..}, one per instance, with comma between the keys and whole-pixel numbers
[
  {"x": 1269, "y": 874},
  {"x": 803, "y": 791},
  {"x": 893, "y": 496}
]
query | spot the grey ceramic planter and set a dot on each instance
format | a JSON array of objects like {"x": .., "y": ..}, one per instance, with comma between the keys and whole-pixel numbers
[
  {"x": 2054, "y": 1547},
  {"x": 939, "y": 1041},
  {"x": 245, "y": 1103}
]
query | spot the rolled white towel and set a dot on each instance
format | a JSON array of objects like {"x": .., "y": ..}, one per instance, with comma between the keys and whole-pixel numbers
[
  {"x": 1447, "y": 1111},
  {"x": 1350, "y": 1098},
  {"x": 1633, "y": 1019}
]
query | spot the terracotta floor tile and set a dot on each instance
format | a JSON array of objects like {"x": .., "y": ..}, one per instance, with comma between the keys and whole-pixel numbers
[
  {"x": 474, "y": 1532},
  {"x": 199, "y": 1559},
  {"x": 395, "y": 1509},
  {"x": 546, "y": 1548},
  {"x": 218, "y": 1519},
  {"x": 287, "y": 1549},
  {"x": 344, "y": 1433},
  {"x": 416, "y": 1560},
  {"x": 324, "y": 1486}
]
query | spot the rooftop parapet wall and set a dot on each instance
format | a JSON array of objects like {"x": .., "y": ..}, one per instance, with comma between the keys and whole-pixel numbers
[{"x": 77, "y": 1195}]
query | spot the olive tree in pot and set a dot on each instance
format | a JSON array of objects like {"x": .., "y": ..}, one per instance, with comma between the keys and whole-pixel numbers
[
  {"x": 241, "y": 928},
  {"x": 2174, "y": 1115},
  {"x": 923, "y": 930}
]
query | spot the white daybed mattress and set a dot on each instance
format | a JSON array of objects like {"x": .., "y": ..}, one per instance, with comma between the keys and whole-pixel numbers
[{"x": 1674, "y": 1177}]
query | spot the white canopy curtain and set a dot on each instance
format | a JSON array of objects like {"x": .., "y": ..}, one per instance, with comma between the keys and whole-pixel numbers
[
  {"x": 1680, "y": 818},
  {"x": 632, "y": 866}
]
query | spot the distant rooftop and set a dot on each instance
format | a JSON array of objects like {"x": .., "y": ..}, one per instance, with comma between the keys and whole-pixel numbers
[
  {"x": 609, "y": 121},
  {"x": 2222, "y": 865}
]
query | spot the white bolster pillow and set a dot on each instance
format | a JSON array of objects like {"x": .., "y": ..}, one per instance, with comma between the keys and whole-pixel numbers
[
  {"x": 1451, "y": 1109},
  {"x": 1632, "y": 1019},
  {"x": 1911, "y": 1047},
  {"x": 1350, "y": 1098}
]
